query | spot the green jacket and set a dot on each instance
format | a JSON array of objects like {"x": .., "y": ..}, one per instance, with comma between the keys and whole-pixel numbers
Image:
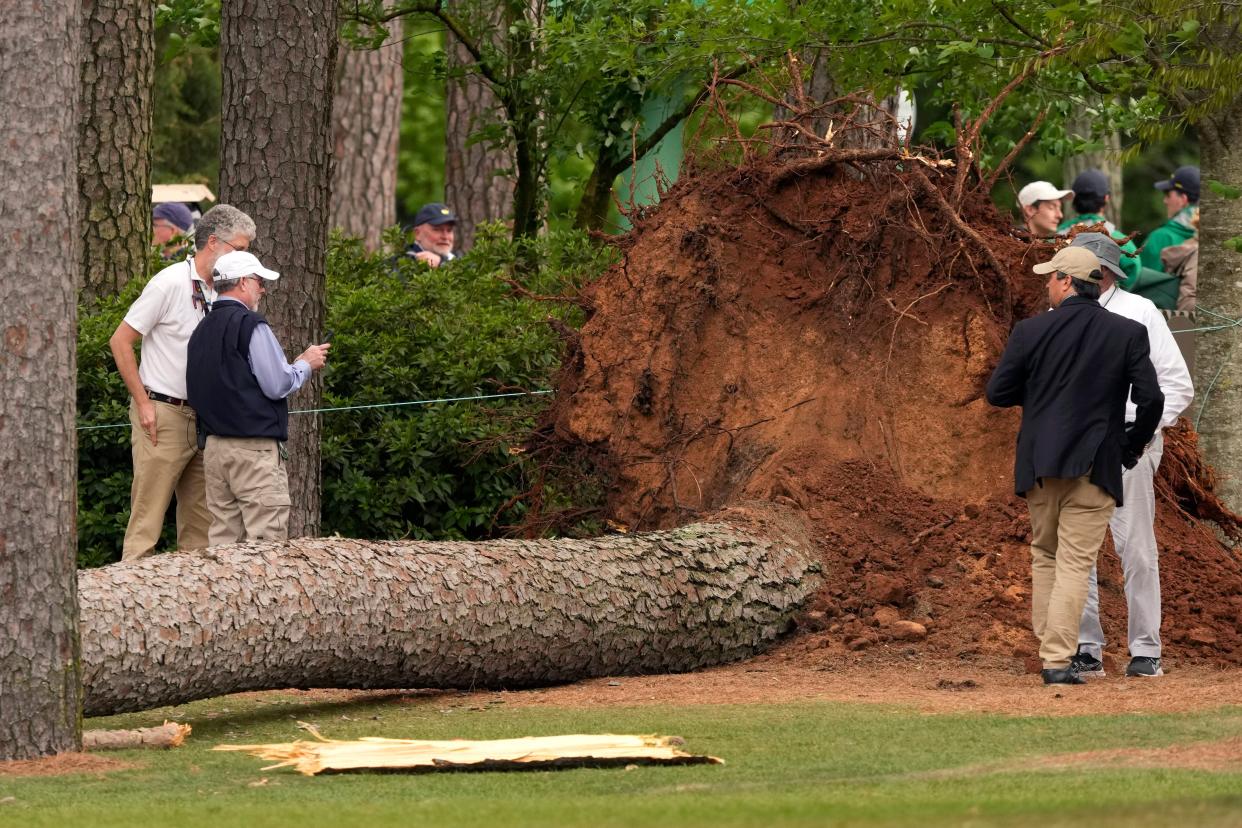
[
  {"x": 1130, "y": 264},
  {"x": 1166, "y": 235}
]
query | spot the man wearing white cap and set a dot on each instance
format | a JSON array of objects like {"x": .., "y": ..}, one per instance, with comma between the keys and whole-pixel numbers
[
  {"x": 1040, "y": 203},
  {"x": 238, "y": 381}
]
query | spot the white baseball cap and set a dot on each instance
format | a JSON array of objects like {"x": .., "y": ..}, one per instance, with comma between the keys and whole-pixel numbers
[
  {"x": 1040, "y": 191},
  {"x": 240, "y": 263}
]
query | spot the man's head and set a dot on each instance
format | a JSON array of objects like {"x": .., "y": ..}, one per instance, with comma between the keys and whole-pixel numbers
[
  {"x": 1180, "y": 190},
  {"x": 169, "y": 219},
  {"x": 1091, "y": 191},
  {"x": 1040, "y": 203},
  {"x": 222, "y": 229},
  {"x": 1107, "y": 251},
  {"x": 242, "y": 276},
  {"x": 1074, "y": 271},
  {"x": 435, "y": 227}
]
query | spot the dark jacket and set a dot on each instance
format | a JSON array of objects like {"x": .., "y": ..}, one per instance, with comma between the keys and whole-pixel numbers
[
  {"x": 220, "y": 384},
  {"x": 1071, "y": 369}
]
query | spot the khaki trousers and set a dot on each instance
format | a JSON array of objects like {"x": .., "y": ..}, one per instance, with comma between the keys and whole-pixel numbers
[
  {"x": 173, "y": 466},
  {"x": 247, "y": 489},
  {"x": 1068, "y": 521}
]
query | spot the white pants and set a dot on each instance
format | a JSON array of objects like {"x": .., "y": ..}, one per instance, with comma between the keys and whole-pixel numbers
[{"x": 1134, "y": 537}]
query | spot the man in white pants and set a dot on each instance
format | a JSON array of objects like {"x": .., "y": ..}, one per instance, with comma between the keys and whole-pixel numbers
[{"x": 1133, "y": 525}]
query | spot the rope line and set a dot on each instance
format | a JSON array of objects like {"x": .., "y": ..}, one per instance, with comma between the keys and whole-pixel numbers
[{"x": 366, "y": 407}]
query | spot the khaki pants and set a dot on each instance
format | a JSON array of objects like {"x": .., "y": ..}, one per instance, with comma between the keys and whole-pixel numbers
[
  {"x": 172, "y": 466},
  {"x": 247, "y": 489},
  {"x": 1068, "y": 520}
]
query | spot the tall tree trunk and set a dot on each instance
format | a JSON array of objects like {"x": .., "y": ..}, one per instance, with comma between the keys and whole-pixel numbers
[
  {"x": 478, "y": 179},
  {"x": 40, "y": 699},
  {"x": 373, "y": 614},
  {"x": 366, "y": 126},
  {"x": 279, "y": 61},
  {"x": 114, "y": 160},
  {"x": 1107, "y": 160},
  {"x": 1218, "y": 362}
]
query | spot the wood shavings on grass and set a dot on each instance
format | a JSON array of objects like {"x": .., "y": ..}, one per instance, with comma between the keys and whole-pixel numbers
[{"x": 376, "y": 754}]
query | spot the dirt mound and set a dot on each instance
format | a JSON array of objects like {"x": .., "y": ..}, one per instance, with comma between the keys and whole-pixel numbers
[{"x": 819, "y": 333}]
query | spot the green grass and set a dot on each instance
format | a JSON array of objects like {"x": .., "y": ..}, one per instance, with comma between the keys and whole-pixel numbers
[{"x": 800, "y": 764}]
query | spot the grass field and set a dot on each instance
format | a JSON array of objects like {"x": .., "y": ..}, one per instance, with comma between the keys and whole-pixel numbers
[{"x": 793, "y": 764}]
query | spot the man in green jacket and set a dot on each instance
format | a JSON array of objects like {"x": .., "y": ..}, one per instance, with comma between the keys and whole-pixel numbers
[
  {"x": 1092, "y": 192},
  {"x": 1181, "y": 202}
]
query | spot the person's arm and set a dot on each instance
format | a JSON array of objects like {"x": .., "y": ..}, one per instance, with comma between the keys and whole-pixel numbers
[
  {"x": 1008, "y": 382},
  {"x": 1145, "y": 391},
  {"x": 277, "y": 378},
  {"x": 122, "y": 343},
  {"x": 1171, "y": 371}
]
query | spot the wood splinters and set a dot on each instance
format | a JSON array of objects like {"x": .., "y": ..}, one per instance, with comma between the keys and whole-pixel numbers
[
  {"x": 167, "y": 735},
  {"x": 376, "y": 754}
]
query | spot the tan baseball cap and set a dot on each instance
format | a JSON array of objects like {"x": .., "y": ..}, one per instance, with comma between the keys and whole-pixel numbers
[{"x": 1078, "y": 262}]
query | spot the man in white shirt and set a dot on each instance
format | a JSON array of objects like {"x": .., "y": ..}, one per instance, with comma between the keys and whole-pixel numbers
[
  {"x": 163, "y": 436},
  {"x": 1133, "y": 525}
]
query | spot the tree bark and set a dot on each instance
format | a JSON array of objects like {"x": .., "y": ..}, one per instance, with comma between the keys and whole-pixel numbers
[
  {"x": 114, "y": 161},
  {"x": 1107, "y": 160},
  {"x": 366, "y": 125},
  {"x": 278, "y": 61},
  {"x": 373, "y": 614},
  {"x": 1218, "y": 361},
  {"x": 39, "y": 682},
  {"x": 478, "y": 181}
]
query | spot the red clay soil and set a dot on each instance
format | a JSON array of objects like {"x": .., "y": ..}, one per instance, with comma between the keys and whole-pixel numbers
[{"x": 822, "y": 340}]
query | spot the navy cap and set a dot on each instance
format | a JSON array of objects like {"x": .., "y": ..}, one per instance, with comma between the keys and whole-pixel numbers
[
  {"x": 434, "y": 214},
  {"x": 1091, "y": 182},
  {"x": 1184, "y": 180},
  {"x": 175, "y": 213}
]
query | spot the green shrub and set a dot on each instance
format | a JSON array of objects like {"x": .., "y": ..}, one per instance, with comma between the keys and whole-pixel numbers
[{"x": 402, "y": 332}]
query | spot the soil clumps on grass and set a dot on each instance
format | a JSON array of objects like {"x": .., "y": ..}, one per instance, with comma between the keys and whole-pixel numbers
[{"x": 817, "y": 332}]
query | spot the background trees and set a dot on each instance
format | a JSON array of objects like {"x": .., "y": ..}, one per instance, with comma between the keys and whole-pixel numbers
[
  {"x": 114, "y": 170},
  {"x": 40, "y": 700}
]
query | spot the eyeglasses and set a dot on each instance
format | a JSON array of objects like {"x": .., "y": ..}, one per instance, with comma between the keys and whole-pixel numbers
[{"x": 230, "y": 245}]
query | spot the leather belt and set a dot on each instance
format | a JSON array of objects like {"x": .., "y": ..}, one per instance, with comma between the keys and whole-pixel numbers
[{"x": 164, "y": 398}]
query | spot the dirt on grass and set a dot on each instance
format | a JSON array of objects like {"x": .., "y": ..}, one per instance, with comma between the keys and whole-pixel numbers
[
  {"x": 62, "y": 764},
  {"x": 818, "y": 333}
]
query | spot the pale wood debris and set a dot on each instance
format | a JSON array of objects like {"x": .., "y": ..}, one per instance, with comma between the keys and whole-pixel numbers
[
  {"x": 372, "y": 753},
  {"x": 167, "y": 735}
]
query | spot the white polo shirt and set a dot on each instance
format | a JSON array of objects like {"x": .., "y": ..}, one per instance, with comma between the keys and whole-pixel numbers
[
  {"x": 1171, "y": 372},
  {"x": 166, "y": 314}
]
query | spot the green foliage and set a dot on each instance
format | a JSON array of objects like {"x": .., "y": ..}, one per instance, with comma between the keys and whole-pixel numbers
[
  {"x": 406, "y": 332},
  {"x": 403, "y": 332},
  {"x": 185, "y": 135},
  {"x": 420, "y": 155}
]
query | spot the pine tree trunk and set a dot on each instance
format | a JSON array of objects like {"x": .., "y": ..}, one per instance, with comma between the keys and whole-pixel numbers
[
  {"x": 1107, "y": 160},
  {"x": 1218, "y": 361},
  {"x": 478, "y": 179},
  {"x": 370, "y": 614},
  {"x": 366, "y": 121},
  {"x": 114, "y": 159},
  {"x": 278, "y": 61},
  {"x": 39, "y": 683}
]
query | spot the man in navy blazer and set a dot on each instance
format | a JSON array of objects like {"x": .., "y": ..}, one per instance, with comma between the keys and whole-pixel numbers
[{"x": 1072, "y": 370}]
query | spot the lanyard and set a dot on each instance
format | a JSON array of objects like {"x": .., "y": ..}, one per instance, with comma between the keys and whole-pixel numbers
[{"x": 200, "y": 300}]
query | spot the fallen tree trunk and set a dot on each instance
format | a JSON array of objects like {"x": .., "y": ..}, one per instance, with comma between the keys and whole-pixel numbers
[{"x": 334, "y": 612}]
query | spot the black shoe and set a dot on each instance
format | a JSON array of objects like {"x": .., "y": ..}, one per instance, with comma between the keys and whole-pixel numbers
[
  {"x": 1145, "y": 667},
  {"x": 1086, "y": 664},
  {"x": 1066, "y": 675}
]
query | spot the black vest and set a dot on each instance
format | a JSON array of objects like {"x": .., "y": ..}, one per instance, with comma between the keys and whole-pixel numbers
[{"x": 220, "y": 385}]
